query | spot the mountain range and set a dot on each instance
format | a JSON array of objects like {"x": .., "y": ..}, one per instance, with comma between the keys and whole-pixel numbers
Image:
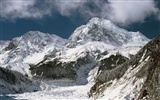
[{"x": 116, "y": 64}]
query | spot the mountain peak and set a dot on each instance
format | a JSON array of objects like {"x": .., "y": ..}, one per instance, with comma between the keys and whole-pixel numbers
[
  {"x": 35, "y": 34},
  {"x": 37, "y": 37},
  {"x": 105, "y": 31},
  {"x": 27, "y": 45}
]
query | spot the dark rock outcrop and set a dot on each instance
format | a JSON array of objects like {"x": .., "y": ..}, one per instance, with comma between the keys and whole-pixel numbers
[
  {"x": 15, "y": 82},
  {"x": 58, "y": 69},
  {"x": 54, "y": 70},
  {"x": 10, "y": 46},
  {"x": 108, "y": 70},
  {"x": 147, "y": 61}
]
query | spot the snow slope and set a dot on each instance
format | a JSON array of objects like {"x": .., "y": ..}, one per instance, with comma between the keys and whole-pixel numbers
[
  {"x": 56, "y": 92},
  {"x": 100, "y": 36},
  {"x": 105, "y": 31},
  {"x": 16, "y": 53},
  {"x": 136, "y": 79}
]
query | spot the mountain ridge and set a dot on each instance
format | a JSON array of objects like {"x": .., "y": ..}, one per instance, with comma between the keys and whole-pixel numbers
[
  {"x": 85, "y": 58},
  {"x": 37, "y": 45},
  {"x": 105, "y": 31},
  {"x": 135, "y": 79},
  {"x": 32, "y": 42}
]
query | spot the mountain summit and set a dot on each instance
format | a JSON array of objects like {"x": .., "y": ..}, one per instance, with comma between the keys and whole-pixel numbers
[
  {"x": 105, "y": 31},
  {"x": 14, "y": 52}
]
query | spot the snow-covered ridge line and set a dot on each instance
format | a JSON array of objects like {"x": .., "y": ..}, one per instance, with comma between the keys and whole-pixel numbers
[
  {"x": 135, "y": 79},
  {"x": 105, "y": 31},
  {"x": 97, "y": 35},
  {"x": 14, "y": 52}
]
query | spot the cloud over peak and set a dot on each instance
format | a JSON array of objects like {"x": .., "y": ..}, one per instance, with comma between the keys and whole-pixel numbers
[
  {"x": 129, "y": 11},
  {"x": 123, "y": 12}
]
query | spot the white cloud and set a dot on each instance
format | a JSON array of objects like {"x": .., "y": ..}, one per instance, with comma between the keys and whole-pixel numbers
[
  {"x": 66, "y": 7},
  {"x": 123, "y": 12},
  {"x": 13, "y": 9},
  {"x": 130, "y": 11}
]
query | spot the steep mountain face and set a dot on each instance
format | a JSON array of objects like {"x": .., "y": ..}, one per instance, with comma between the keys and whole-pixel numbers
[
  {"x": 3, "y": 44},
  {"x": 103, "y": 30},
  {"x": 88, "y": 45},
  {"x": 111, "y": 62},
  {"x": 136, "y": 79},
  {"x": 15, "y": 82},
  {"x": 14, "y": 53}
]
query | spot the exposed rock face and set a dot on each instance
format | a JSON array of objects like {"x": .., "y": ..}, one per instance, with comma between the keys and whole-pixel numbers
[
  {"x": 56, "y": 69},
  {"x": 136, "y": 79},
  {"x": 108, "y": 70},
  {"x": 151, "y": 87},
  {"x": 10, "y": 46},
  {"x": 15, "y": 82},
  {"x": 112, "y": 62}
]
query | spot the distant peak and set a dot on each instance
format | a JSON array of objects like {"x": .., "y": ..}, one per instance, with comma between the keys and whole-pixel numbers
[
  {"x": 38, "y": 34},
  {"x": 31, "y": 33}
]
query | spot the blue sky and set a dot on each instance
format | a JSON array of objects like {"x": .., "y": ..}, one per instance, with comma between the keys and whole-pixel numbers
[{"x": 62, "y": 17}]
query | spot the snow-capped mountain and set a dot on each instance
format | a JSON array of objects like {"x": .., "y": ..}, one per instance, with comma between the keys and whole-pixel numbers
[
  {"x": 14, "y": 53},
  {"x": 105, "y": 31},
  {"x": 97, "y": 37},
  {"x": 86, "y": 47},
  {"x": 100, "y": 36},
  {"x": 136, "y": 79},
  {"x": 90, "y": 52}
]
